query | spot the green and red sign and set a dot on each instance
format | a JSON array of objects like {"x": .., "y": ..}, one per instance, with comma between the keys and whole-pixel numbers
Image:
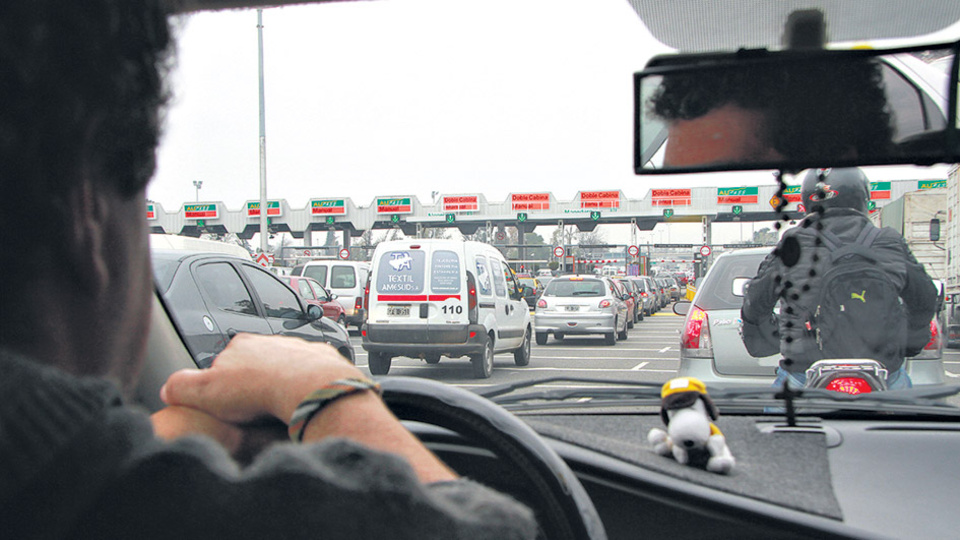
[
  {"x": 599, "y": 199},
  {"x": 740, "y": 195},
  {"x": 931, "y": 184},
  {"x": 461, "y": 203},
  {"x": 792, "y": 194},
  {"x": 151, "y": 212},
  {"x": 253, "y": 208},
  {"x": 879, "y": 190},
  {"x": 201, "y": 211},
  {"x": 670, "y": 197},
  {"x": 394, "y": 205},
  {"x": 530, "y": 201},
  {"x": 324, "y": 207}
]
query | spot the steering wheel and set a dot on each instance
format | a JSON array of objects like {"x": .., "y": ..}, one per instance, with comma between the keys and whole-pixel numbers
[{"x": 563, "y": 510}]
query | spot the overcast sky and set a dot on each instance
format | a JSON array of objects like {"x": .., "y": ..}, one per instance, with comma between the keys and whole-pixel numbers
[{"x": 407, "y": 97}]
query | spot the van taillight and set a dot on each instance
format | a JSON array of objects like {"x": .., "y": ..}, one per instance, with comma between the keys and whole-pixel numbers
[
  {"x": 604, "y": 303},
  {"x": 366, "y": 295},
  {"x": 541, "y": 303},
  {"x": 472, "y": 308},
  {"x": 696, "y": 334}
]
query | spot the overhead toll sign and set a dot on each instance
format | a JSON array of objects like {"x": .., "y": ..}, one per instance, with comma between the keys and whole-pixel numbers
[
  {"x": 201, "y": 211},
  {"x": 931, "y": 184},
  {"x": 879, "y": 190},
  {"x": 151, "y": 212},
  {"x": 792, "y": 194},
  {"x": 530, "y": 201},
  {"x": 326, "y": 207},
  {"x": 670, "y": 197},
  {"x": 253, "y": 208},
  {"x": 599, "y": 199},
  {"x": 461, "y": 203},
  {"x": 394, "y": 205},
  {"x": 740, "y": 195}
]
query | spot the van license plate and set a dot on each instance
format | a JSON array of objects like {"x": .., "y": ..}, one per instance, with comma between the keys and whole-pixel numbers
[
  {"x": 398, "y": 311},
  {"x": 572, "y": 308}
]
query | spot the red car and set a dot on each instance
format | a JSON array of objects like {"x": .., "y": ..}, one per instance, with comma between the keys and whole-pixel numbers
[{"x": 314, "y": 293}]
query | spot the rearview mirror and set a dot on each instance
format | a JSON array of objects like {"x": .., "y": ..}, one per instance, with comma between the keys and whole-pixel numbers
[{"x": 792, "y": 110}]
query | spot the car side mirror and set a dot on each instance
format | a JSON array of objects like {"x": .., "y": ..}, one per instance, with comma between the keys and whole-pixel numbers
[
  {"x": 334, "y": 296},
  {"x": 527, "y": 292},
  {"x": 935, "y": 230},
  {"x": 740, "y": 285},
  {"x": 681, "y": 307},
  {"x": 314, "y": 312}
]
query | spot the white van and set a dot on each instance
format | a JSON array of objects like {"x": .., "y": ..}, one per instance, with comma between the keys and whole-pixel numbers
[
  {"x": 345, "y": 279},
  {"x": 433, "y": 298}
]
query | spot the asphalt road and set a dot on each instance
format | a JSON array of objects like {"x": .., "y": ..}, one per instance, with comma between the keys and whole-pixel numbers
[{"x": 650, "y": 353}]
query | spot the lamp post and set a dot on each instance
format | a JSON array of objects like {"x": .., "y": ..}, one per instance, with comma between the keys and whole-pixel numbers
[{"x": 198, "y": 184}]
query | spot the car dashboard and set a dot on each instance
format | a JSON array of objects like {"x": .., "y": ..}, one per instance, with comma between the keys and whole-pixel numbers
[{"x": 826, "y": 478}]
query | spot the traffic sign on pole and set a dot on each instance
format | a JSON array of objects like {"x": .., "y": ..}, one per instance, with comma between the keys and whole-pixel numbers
[
  {"x": 705, "y": 251},
  {"x": 344, "y": 253},
  {"x": 633, "y": 250},
  {"x": 558, "y": 251}
]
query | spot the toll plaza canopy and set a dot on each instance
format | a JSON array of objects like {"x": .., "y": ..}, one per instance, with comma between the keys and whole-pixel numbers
[{"x": 470, "y": 211}]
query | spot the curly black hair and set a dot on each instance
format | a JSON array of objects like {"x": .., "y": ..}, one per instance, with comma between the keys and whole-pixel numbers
[
  {"x": 811, "y": 109},
  {"x": 82, "y": 81}
]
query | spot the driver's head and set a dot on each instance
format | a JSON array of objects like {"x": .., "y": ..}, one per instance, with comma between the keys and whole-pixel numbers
[
  {"x": 835, "y": 188},
  {"x": 82, "y": 90}
]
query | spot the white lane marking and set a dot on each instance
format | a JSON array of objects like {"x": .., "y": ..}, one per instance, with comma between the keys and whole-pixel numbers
[
  {"x": 639, "y": 366},
  {"x": 951, "y": 361},
  {"x": 954, "y": 375},
  {"x": 665, "y": 349}
]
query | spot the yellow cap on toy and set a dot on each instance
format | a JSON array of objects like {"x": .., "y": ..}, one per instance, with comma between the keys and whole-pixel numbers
[{"x": 683, "y": 384}]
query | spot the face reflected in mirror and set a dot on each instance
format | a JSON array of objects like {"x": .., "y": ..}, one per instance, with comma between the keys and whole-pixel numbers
[
  {"x": 759, "y": 113},
  {"x": 791, "y": 110},
  {"x": 726, "y": 134}
]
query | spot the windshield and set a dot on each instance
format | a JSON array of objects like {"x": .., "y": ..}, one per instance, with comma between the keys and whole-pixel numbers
[{"x": 381, "y": 123}]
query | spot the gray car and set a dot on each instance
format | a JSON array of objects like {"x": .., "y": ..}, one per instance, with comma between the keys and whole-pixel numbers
[
  {"x": 581, "y": 305},
  {"x": 710, "y": 345}
]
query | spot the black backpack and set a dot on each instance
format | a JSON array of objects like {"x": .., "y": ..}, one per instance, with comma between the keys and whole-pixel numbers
[{"x": 859, "y": 313}]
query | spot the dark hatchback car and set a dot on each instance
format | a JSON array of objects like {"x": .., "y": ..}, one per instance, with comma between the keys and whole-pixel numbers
[{"x": 212, "y": 296}]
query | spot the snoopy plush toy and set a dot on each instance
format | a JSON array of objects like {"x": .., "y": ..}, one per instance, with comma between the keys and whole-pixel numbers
[{"x": 691, "y": 437}]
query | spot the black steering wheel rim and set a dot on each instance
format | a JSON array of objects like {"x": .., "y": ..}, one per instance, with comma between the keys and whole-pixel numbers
[{"x": 564, "y": 509}]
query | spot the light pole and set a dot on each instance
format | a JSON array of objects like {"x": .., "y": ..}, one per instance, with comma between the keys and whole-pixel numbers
[{"x": 198, "y": 184}]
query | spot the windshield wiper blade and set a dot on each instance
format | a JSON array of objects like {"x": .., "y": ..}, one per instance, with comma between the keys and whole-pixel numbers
[{"x": 633, "y": 389}]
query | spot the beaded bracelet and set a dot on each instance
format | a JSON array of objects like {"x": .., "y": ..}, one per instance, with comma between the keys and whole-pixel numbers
[{"x": 317, "y": 400}]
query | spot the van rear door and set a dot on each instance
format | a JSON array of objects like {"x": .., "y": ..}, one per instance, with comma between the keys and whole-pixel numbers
[{"x": 420, "y": 284}]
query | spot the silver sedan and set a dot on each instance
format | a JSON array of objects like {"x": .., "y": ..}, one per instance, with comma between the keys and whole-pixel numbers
[{"x": 581, "y": 305}]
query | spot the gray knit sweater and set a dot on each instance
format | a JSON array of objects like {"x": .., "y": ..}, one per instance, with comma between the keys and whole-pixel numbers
[{"x": 76, "y": 463}]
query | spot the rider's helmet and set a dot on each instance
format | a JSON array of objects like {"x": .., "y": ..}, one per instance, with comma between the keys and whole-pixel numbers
[{"x": 835, "y": 188}]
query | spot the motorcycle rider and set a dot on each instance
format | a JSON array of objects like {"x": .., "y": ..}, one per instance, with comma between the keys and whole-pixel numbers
[{"x": 797, "y": 274}]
